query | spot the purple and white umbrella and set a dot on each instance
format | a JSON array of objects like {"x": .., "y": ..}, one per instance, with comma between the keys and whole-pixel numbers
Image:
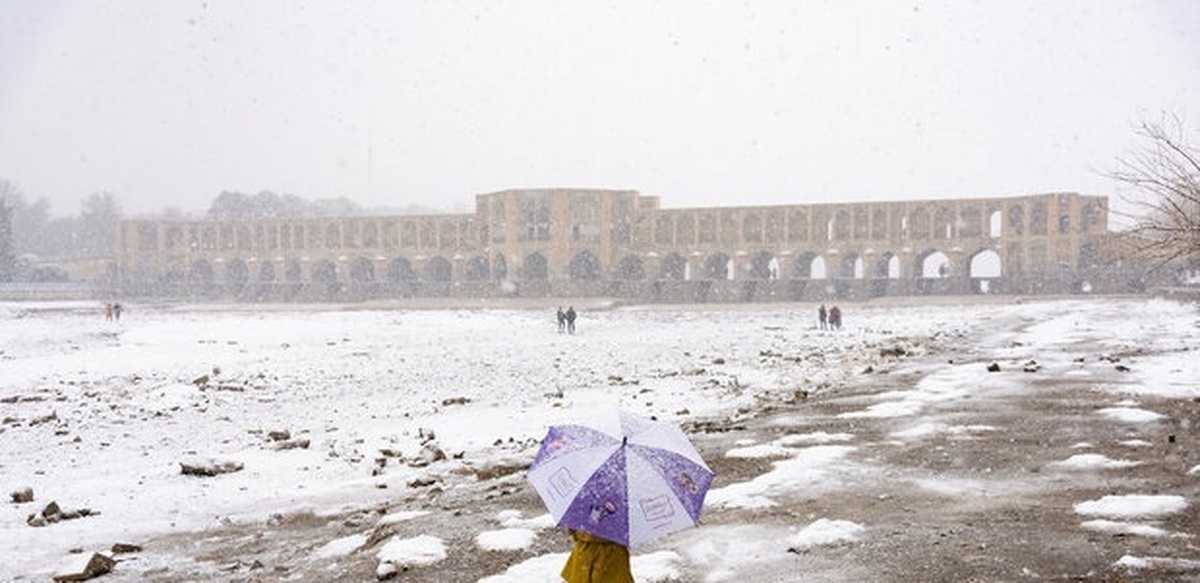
[{"x": 625, "y": 478}]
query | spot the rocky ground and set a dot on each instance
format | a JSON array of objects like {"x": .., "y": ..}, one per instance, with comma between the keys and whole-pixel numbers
[{"x": 1004, "y": 513}]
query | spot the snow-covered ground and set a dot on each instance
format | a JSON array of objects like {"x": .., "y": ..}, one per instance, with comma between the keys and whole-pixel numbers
[{"x": 99, "y": 415}]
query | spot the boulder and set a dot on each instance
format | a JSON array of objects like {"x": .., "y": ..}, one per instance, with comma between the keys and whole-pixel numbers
[
  {"x": 83, "y": 567},
  {"x": 23, "y": 495}
]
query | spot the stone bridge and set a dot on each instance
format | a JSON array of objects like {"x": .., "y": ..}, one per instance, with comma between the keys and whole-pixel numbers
[{"x": 619, "y": 243}]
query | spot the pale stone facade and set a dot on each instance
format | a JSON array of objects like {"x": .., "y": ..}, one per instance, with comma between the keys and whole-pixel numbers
[{"x": 621, "y": 243}]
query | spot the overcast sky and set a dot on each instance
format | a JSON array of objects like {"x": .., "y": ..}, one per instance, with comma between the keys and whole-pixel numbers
[{"x": 168, "y": 103}]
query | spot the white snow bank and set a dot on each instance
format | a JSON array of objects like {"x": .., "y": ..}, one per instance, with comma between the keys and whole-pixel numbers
[
  {"x": 414, "y": 552},
  {"x": 1115, "y": 527},
  {"x": 508, "y": 539},
  {"x": 826, "y": 532},
  {"x": 341, "y": 547},
  {"x": 1094, "y": 461},
  {"x": 1132, "y": 506},
  {"x": 810, "y": 471},
  {"x": 1130, "y": 414},
  {"x": 1158, "y": 563}
]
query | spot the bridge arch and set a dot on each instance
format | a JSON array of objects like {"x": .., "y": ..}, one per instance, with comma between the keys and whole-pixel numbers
[
  {"x": 536, "y": 266},
  {"x": 439, "y": 269},
  {"x": 764, "y": 266},
  {"x": 400, "y": 270},
  {"x": 933, "y": 264},
  {"x": 361, "y": 270},
  {"x": 477, "y": 269},
  {"x": 674, "y": 267},
  {"x": 985, "y": 264},
  {"x": 716, "y": 266},
  {"x": 630, "y": 267},
  {"x": 585, "y": 265}
]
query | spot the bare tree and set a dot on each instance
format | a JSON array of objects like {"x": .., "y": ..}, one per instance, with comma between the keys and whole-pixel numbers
[{"x": 1164, "y": 193}]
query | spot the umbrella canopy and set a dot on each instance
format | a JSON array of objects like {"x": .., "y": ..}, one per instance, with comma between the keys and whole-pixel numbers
[{"x": 625, "y": 478}]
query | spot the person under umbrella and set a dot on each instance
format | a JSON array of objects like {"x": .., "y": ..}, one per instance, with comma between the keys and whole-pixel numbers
[{"x": 616, "y": 481}]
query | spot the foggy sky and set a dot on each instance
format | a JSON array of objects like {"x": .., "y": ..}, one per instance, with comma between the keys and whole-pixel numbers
[{"x": 168, "y": 103}]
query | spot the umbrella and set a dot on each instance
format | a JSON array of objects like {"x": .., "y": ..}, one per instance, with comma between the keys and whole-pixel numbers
[{"x": 625, "y": 478}]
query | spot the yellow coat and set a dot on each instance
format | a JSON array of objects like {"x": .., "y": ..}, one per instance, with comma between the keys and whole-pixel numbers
[{"x": 596, "y": 560}]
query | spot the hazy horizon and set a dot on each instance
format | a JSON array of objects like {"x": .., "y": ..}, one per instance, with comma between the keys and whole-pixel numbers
[{"x": 167, "y": 104}]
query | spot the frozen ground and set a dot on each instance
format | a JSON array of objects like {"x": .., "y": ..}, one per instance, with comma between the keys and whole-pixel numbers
[{"x": 883, "y": 452}]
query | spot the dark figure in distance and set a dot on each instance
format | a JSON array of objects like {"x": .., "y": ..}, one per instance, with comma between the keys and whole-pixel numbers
[
  {"x": 822, "y": 317},
  {"x": 835, "y": 318},
  {"x": 571, "y": 319},
  {"x": 562, "y": 320}
]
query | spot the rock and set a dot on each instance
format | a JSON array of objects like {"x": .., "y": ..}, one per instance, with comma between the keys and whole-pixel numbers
[
  {"x": 1122, "y": 368},
  {"x": 84, "y": 567},
  {"x": 455, "y": 401},
  {"x": 281, "y": 435},
  {"x": 994, "y": 367},
  {"x": 122, "y": 548},
  {"x": 209, "y": 467},
  {"x": 23, "y": 495},
  {"x": 430, "y": 453},
  {"x": 1032, "y": 366},
  {"x": 292, "y": 444},
  {"x": 895, "y": 351},
  {"x": 200, "y": 381}
]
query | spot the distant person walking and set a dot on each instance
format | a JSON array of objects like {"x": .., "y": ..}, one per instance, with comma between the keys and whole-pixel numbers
[
  {"x": 108, "y": 311},
  {"x": 822, "y": 317},
  {"x": 570, "y": 319},
  {"x": 835, "y": 318},
  {"x": 562, "y": 320},
  {"x": 117, "y": 309}
]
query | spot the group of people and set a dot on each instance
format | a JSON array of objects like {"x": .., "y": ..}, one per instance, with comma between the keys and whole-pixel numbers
[
  {"x": 112, "y": 310},
  {"x": 566, "y": 320},
  {"x": 830, "y": 319}
]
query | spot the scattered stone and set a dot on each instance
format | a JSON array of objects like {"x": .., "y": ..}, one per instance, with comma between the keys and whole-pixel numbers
[
  {"x": 53, "y": 416},
  {"x": 1032, "y": 366},
  {"x": 281, "y": 435},
  {"x": 994, "y": 367},
  {"x": 23, "y": 495},
  {"x": 52, "y": 514},
  {"x": 455, "y": 401},
  {"x": 123, "y": 548},
  {"x": 1122, "y": 368},
  {"x": 429, "y": 454},
  {"x": 292, "y": 444},
  {"x": 201, "y": 381},
  {"x": 895, "y": 352},
  {"x": 718, "y": 360},
  {"x": 209, "y": 467},
  {"x": 84, "y": 567},
  {"x": 422, "y": 482}
]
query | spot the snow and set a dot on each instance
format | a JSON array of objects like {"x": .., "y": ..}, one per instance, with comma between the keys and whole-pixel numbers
[
  {"x": 414, "y": 551},
  {"x": 1094, "y": 461},
  {"x": 826, "y": 532},
  {"x": 1130, "y": 414},
  {"x": 1132, "y": 506},
  {"x": 126, "y": 407},
  {"x": 509, "y": 539}
]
